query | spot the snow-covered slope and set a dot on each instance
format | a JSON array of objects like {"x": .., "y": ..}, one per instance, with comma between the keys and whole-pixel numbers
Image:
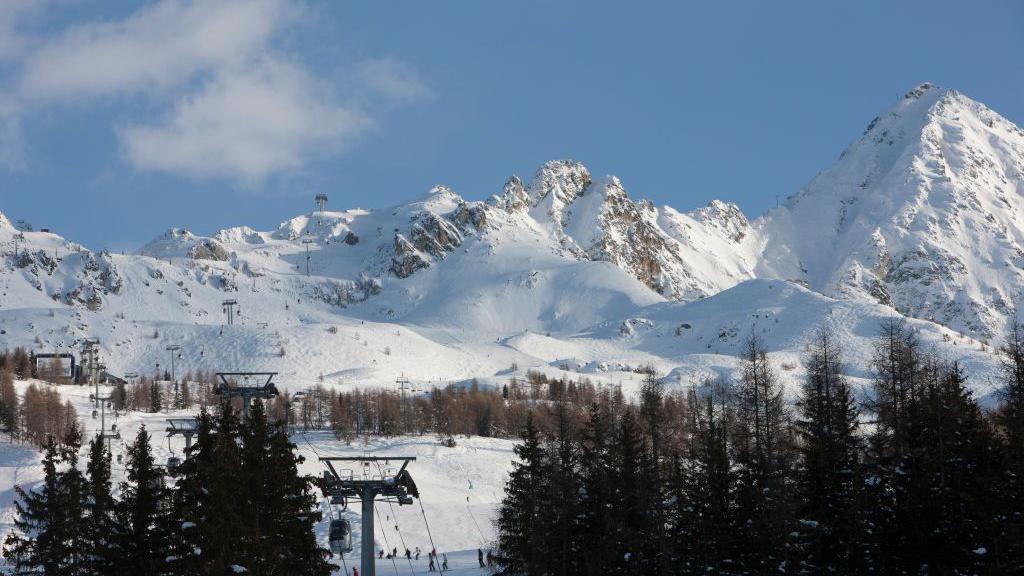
[
  {"x": 924, "y": 212},
  {"x": 922, "y": 216}
]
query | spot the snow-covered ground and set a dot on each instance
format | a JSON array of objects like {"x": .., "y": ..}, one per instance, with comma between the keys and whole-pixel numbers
[{"x": 460, "y": 487}]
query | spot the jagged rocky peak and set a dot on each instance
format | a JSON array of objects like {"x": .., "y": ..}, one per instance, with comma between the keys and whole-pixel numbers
[
  {"x": 559, "y": 182},
  {"x": 513, "y": 196},
  {"x": 724, "y": 216}
]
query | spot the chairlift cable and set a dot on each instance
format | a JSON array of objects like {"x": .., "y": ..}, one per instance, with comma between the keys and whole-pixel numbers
[
  {"x": 397, "y": 529},
  {"x": 427, "y": 524},
  {"x": 385, "y": 535}
]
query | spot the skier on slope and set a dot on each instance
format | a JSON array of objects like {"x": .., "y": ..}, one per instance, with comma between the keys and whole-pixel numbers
[{"x": 480, "y": 557}]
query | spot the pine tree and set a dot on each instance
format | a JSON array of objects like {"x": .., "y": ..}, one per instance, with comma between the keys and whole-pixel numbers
[
  {"x": 958, "y": 468},
  {"x": 829, "y": 523},
  {"x": 1010, "y": 418},
  {"x": 143, "y": 541},
  {"x": 630, "y": 497},
  {"x": 155, "y": 397},
  {"x": 562, "y": 518},
  {"x": 522, "y": 550},
  {"x": 597, "y": 519},
  {"x": 46, "y": 537},
  {"x": 764, "y": 462},
  {"x": 704, "y": 516},
  {"x": 100, "y": 528},
  {"x": 281, "y": 517},
  {"x": 892, "y": 487}
]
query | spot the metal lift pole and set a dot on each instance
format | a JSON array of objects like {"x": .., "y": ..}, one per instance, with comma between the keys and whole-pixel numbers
[
  {"x": 397, "y": 489},
  {"x": 366, "y": 559}
]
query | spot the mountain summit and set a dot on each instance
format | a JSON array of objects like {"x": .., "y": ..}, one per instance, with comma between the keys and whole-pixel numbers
[{"x": 924, "y": 212}]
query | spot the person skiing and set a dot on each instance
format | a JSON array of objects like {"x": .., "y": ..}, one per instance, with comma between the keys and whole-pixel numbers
[
  {"x": 381, "y": 554},
  {"x": 480, "y": 557},
  {"x": 417, "y": 552},
  {"x": 355, "y": 571},
  {"x": 444, "y": 565},
  {"x": 430, "y": 568},
  {"x": 394, "y": 552}
]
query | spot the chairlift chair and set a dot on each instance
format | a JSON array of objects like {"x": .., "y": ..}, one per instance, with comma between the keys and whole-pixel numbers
[
  {"x": 172, "y": 466},
  {"x": 340, "y": 536}
]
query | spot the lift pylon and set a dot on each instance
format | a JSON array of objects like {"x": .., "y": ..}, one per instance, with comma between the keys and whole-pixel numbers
[
  {"x": 234, "y": 389},
  {"x": 397, "y": 488}
]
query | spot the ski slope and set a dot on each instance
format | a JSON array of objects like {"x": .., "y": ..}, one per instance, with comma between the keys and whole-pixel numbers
[{"x": 460, "y": 487}]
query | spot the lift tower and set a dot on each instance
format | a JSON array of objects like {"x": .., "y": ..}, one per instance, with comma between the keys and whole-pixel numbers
[
  {"x": 246, "y": 391},
  {"x": 397, "y": 488},
  {"x": 187, "y": 427}
]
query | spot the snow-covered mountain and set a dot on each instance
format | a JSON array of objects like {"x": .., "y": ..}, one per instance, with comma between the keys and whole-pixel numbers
[
  {"x": 921, "y": 216},
  {"x": 925, "y": 212}
]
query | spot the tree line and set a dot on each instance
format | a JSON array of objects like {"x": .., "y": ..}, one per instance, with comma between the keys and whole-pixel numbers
[
  {"x": 733, "y": 479},
  {"x": 238, "y": 505}
]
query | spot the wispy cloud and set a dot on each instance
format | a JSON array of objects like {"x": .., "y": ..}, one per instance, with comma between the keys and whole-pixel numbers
[
  {"x": 248, "y": 123},
  {"x": 229, "y": 102}
]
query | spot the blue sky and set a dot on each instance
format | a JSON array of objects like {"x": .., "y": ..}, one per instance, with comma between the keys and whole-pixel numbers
[{"x": 121, "y": 119}]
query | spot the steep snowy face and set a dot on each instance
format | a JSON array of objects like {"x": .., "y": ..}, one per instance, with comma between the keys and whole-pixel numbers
[
  {"x": 5, "y": 224},
  {"x": 924, "y": 212}
]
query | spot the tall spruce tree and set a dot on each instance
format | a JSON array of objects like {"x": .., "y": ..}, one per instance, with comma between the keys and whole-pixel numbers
[
  {"x": 280, "y": 512},
  {"x": 144, "y": 538},
  {"x": 100, "y": 526},
  {"x": 521, "y": 549},
  {"x": 705, "y": 522},
  {"x": 1010, "y": 418},
  {"x": 829, "y": 523},
  {"x": 597, "y": 518},
  {"x": 892, "y": 480},
  {"x": 43, "y": 537},
  {"x": 763, "y": 459}
]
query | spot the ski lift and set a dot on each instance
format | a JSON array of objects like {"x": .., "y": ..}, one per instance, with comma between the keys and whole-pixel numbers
[
  {"x": 120, "y": 458},
  {"x": 113, "y": 427},
  {"x": 338, "y": 500},
  {"x": 95, "y": 414},
  {"x": 341, "y": 536},
  {"x": 172, "y": 466}
]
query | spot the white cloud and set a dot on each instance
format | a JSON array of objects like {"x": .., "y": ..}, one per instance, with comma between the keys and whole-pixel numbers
[
  {"x": 249, "y": 124},
  {"x": 229, "y": 101},
  {"x": 159, "y": 47}
]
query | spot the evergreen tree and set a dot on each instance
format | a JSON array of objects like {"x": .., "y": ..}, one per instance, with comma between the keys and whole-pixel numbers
[
  {"x": 892, "y": 489},
  {"x": 957, "y": 464},
  {"x": 155, "y": 397},
  {"x": 704, "y": 516},
  {"x": 1010, "y": 418},
  {"x": 100, "y": 527},
  {"x": 829, "y": 526},
  {"x": 280, "y": 512},
  {"x": 597, "y": 519},
  {"x": 562, "y": 519},
  {"x": 523, "y": 508},
  {"x": 119, "y": 398},
  {"x": 47, "y": 533},
  {"x": 630, "y": 497},
  {"x": 143, "y": 541},
  {"x": 764, "y": 462}
]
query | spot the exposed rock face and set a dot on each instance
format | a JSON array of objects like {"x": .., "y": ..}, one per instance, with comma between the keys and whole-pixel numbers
[
  {"x": 407, "y": 259},
  {"x": 209, "y": 250}
]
